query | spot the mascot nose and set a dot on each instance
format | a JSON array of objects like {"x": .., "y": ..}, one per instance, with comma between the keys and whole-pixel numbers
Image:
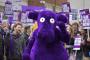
[{"x": 46, "y": 27}]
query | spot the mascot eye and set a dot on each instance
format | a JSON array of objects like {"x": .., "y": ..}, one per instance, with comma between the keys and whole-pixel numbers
[
  {"x": 52, "y": 20},
  {"x": 42, "y": 19}
]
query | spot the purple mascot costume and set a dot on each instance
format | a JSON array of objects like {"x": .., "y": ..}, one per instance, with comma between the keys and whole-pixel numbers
[{"x": 47, "y": 40}]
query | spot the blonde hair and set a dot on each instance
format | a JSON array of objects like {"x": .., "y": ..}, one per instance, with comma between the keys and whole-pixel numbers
[
  {"x": 75, "y": 23},
  {"x": 71, "y": 30}
]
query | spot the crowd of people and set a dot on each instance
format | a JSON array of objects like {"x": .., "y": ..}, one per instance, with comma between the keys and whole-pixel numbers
[
  {"x": 74, "y": 29},
  {"x": 14, "y": 39}
]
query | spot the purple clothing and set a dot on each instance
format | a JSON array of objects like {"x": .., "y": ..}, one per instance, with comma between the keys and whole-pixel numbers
[
  {"x": 37, "y": 50},
  {"x": 42, "y": 52}
]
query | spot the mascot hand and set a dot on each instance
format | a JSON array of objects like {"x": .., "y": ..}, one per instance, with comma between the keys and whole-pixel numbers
[{"x": 25, "y": 57}]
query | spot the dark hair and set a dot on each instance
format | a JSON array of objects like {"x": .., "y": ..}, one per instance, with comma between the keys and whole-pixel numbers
[
  {"x": 26, "y": 28},
  {"x": 17, "y": 25}
]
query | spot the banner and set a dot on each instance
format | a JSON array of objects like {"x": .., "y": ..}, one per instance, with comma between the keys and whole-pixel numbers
[
  {"x": 82, "y": 12},
  {"x": 15, "y": 15},
  {"x": 24, "y": 17},
  {"x": 10, "y": 20},
  {"x": 66, "y": 7},
  {"x": 1, "y": 17},
  {"x": 35, "y": 8},
  {"x": 77, "y": 43},
  {"x": 8, "y": 8},
  {"x": 86, "y": 21}
]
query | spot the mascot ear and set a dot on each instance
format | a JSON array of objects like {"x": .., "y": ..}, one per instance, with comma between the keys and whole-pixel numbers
[
  {"x": 33, "y": 15},
  {"x": 63, "y": 17},
  {"x": 61, "y": 20}
]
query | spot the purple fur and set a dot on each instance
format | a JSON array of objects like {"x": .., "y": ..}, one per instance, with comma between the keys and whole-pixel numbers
[
  {"x": 45, "y": 43},
  {"x": 61, "y": 20},
  {"x": 63, "y": 17}
]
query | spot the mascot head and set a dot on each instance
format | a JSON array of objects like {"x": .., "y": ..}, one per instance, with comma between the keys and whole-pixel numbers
[{"x": 46, "y": 26}]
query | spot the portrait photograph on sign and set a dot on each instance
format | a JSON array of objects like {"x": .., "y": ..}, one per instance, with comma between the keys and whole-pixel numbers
[{"x": 86, "y": 21}]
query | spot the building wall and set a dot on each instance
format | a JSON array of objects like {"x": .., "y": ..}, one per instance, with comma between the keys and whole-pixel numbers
[
  {"x": 2, "y": 2},
  {"x": 79, "y": 4},
  {"x": 87, "y": 3}
]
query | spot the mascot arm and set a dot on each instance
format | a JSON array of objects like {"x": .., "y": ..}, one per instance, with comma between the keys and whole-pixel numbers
[
  {"x": 66, "y": 37},
  {"x": 26, "y": 53},
  {"x": 63, "y": 34}
]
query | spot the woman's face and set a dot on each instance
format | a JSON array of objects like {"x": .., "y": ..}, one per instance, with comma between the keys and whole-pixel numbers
[
  {"x": 75, "y": 27},
  {"x": 82, "y": 32}
]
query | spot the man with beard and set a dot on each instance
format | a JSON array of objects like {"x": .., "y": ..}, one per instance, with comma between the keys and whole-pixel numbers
[{"x": 15, "y": 43}]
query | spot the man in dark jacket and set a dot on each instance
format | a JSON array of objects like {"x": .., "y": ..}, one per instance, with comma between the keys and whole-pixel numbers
[
  {"x": 1, "y": 44},
  {"x": 15, "y": 43}
]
